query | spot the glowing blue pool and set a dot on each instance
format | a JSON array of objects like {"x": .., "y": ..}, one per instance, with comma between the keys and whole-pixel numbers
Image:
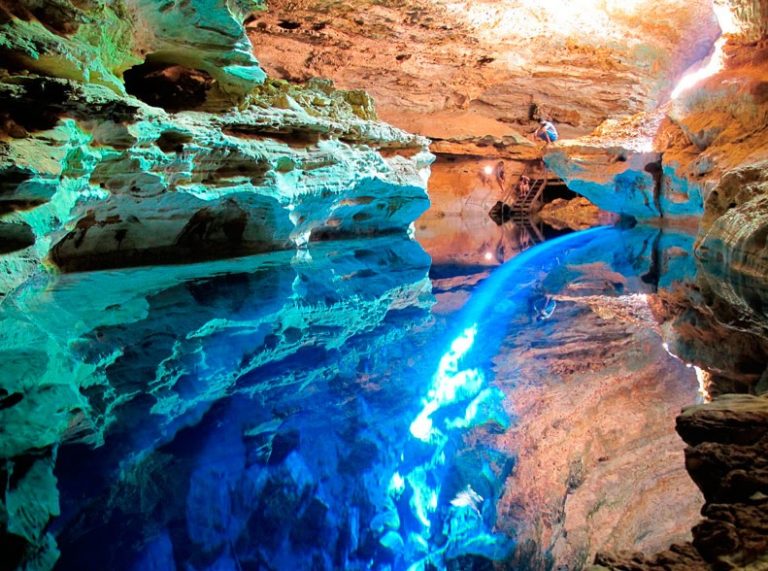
[{"x": 289, "y": 411}]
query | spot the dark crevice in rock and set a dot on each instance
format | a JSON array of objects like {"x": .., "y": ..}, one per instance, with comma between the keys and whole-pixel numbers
[
  {"x": 655, "y": 170},
  {"x": 651, "y": 277},
  {"x": 8, "y": 206},
  {"x": 173, "y": 141},
  {"x": 37, "y": 103},
  {"x": 171, "y": 87},
  {"x": 289, "y": 24},
  {"x": 61, "y": 18},
  {"x": 33, "y": 104},
  {"x": 13, "y": 549},
  {"x": 11, "y": 178},
  {"x": 15, "y": 236},
  {"x": 295, "y": 139}
]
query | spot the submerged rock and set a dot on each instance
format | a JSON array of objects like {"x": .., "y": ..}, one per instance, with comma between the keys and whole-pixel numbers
[{"x": 150, "y": 353}]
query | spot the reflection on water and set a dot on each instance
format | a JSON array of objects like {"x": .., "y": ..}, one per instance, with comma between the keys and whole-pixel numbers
[{"x": 337, "y": 409}]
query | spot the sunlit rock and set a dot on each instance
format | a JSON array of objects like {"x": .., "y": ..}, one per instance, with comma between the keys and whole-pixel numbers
[
  {"x": 476, "y": 68},
  {"x": 726, "y": 459},
  {"x": 66, "y": 41},
  {"x": 615, "y": 179},
  {"x": 104, "y": 180}
]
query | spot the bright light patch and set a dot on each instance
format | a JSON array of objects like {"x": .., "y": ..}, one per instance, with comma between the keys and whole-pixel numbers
[
  {"x": 713, "y": 65},
  {"x": 432, "y": 503},
  {"x": 488, "y": 256},
  {"x": 703, "y": 377},
  {"x": 725, "y": 18},
  {"x": 396, "y": 485},
  {"x": 488, "y": 169},
  {"x": 449, "y": 383},
  {"x": 422, "y": 496},
  {"x": 421, "y": 427}
]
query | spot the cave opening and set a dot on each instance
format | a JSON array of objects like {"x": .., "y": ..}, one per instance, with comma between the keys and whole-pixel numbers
[
  {"x": 172, "y": 87},
  {"x": 557, "y": 188}
]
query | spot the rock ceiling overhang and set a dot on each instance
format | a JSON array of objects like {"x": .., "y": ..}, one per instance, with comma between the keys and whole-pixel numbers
[{"x": 454, "y": 68}]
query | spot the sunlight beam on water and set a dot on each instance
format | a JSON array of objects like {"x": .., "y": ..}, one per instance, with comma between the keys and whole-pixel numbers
[{"x": 460, "y": 378}]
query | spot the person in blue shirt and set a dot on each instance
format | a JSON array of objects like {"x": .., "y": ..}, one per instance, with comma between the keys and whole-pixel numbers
[{"x": 546, "y": 131}]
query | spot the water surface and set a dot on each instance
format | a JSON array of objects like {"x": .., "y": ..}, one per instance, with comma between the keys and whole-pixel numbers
[{"x": 355, "y": 405}]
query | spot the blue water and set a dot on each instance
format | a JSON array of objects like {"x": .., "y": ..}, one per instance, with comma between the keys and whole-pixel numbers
[{"x": 303, "y": 411}]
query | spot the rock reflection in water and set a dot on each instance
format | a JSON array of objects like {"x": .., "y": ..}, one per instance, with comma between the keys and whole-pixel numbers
[{"x": 256, "y": 412}]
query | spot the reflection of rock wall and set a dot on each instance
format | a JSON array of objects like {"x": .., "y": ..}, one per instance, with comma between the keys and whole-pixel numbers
[
  {"x": 135, "y": 356},
  {"x": 593, "y": 394},
  {"x": 576, "y": 214},
  {"x": 103, "y": 180}
]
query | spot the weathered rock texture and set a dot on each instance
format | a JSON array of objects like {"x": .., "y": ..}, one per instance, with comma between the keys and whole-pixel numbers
[
  {"x": 448, "y": 69},
  {"x": 97, "y": 178},
  {"x": 597, "y": 470},
  {"x": 111, "y": 156},
  {"x": 726, "y": 457},
  {"x": 713, "y": 145},
  {"x": 675, "y": 163},
  {"x": 135, "y": 356},
  {"x": 576, "y": 214}
]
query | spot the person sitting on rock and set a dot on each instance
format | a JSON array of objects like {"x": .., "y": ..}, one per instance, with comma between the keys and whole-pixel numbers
[{"x": 546, "y": 132}]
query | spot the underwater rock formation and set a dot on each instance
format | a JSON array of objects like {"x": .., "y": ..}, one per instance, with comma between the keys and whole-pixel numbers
[
  {"x": 135, "y": 357},
  {"x": 104, "y": 180},
  {"x": 596, "y": 471}
]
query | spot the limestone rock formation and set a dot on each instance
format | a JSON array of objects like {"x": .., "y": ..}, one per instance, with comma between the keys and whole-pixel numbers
[
  {"x": 101, "y": 179},
  {"x": 451, "y": 69},
  {"x": 726, "y": 458},
  {"x": 141, "y": 132}
]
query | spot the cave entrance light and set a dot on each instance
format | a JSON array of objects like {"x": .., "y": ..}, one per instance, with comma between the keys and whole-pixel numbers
[{"x": 715, "y": 62}]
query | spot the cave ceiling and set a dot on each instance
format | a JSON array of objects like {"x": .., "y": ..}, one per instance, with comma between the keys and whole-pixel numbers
[{"x": 468, "y": 68}]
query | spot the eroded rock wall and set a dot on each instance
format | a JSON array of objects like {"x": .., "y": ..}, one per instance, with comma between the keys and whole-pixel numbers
[
  {"x": 98, "y": 178},
  {"x": 714, "y": 140},
  {"x": 448, "y": 69},
  {"x": 142, "y": 132}
]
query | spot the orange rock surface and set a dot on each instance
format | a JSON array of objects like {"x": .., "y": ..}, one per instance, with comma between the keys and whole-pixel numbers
[{"x": 461, "y": 68}]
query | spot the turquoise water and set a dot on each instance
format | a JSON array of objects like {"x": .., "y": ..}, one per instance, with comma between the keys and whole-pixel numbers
[{"x": 302, "y": 410}]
